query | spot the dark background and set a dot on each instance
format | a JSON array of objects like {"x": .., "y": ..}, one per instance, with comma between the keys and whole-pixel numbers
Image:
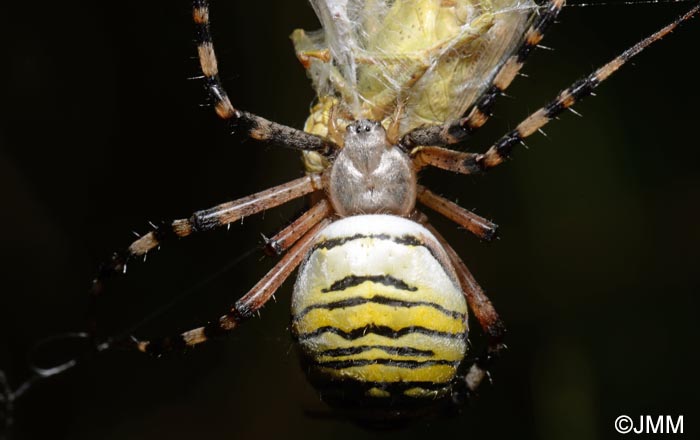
[{"x": 595, "y": 272}]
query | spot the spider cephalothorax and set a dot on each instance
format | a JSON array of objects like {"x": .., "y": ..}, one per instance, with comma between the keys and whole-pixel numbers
[{"x": 370, "y": 175}]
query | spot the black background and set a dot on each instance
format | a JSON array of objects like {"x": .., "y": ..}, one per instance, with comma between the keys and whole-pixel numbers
[{"x": 595, "y": 272}]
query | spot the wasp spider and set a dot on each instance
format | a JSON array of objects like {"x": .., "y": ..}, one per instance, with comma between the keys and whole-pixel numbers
[{"x": 380, "y": 305}]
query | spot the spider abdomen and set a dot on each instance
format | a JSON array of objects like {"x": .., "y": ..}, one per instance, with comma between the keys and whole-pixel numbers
[{"x": 378, "y": 312}]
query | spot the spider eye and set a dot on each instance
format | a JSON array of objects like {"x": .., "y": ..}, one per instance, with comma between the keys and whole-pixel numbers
[{"x": 363, "y": 126}]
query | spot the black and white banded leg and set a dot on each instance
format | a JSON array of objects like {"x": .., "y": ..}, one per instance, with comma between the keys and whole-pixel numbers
[
  {"x": 254, "y": 126},
  {"x": 245, "y": 307},
  {"x": 476, "y": 116},
  {"x": 470, "y": 163},
  {"x": 200, "y": 221}
]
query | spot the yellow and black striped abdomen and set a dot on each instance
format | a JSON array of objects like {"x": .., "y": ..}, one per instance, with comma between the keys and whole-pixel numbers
[{"x": 378, "y": 312}]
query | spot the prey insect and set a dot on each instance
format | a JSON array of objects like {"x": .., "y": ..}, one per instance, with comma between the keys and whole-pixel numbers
[{"x": 380, "y": 305}]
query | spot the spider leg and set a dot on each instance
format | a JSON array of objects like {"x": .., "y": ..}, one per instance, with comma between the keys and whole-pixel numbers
[
  {"x": 254, "y": 126},
  {"x": 566, "y": 98},
  {"x": 469, "y": 163},
  {"x": 278, "y": 244},
  {"x": 200, "y": 221},
  {"x": 245, "y": 307},
  {"x": 483, "y": 310},
  {"x": 445, "y": 159},
  {"x": 475, "y": 224},
  {"x": 476, "y": 116}
]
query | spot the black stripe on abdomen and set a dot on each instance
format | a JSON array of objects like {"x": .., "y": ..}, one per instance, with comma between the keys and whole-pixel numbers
[
  {"x": 356, "y": 280},
  {"x": 408, "y": 240},
  {"x": 399, "y": 351},
  {"x": 383, "y": 300},
  {"x": 412, "y": 364},
  {"x": 379, "y": 330}
]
